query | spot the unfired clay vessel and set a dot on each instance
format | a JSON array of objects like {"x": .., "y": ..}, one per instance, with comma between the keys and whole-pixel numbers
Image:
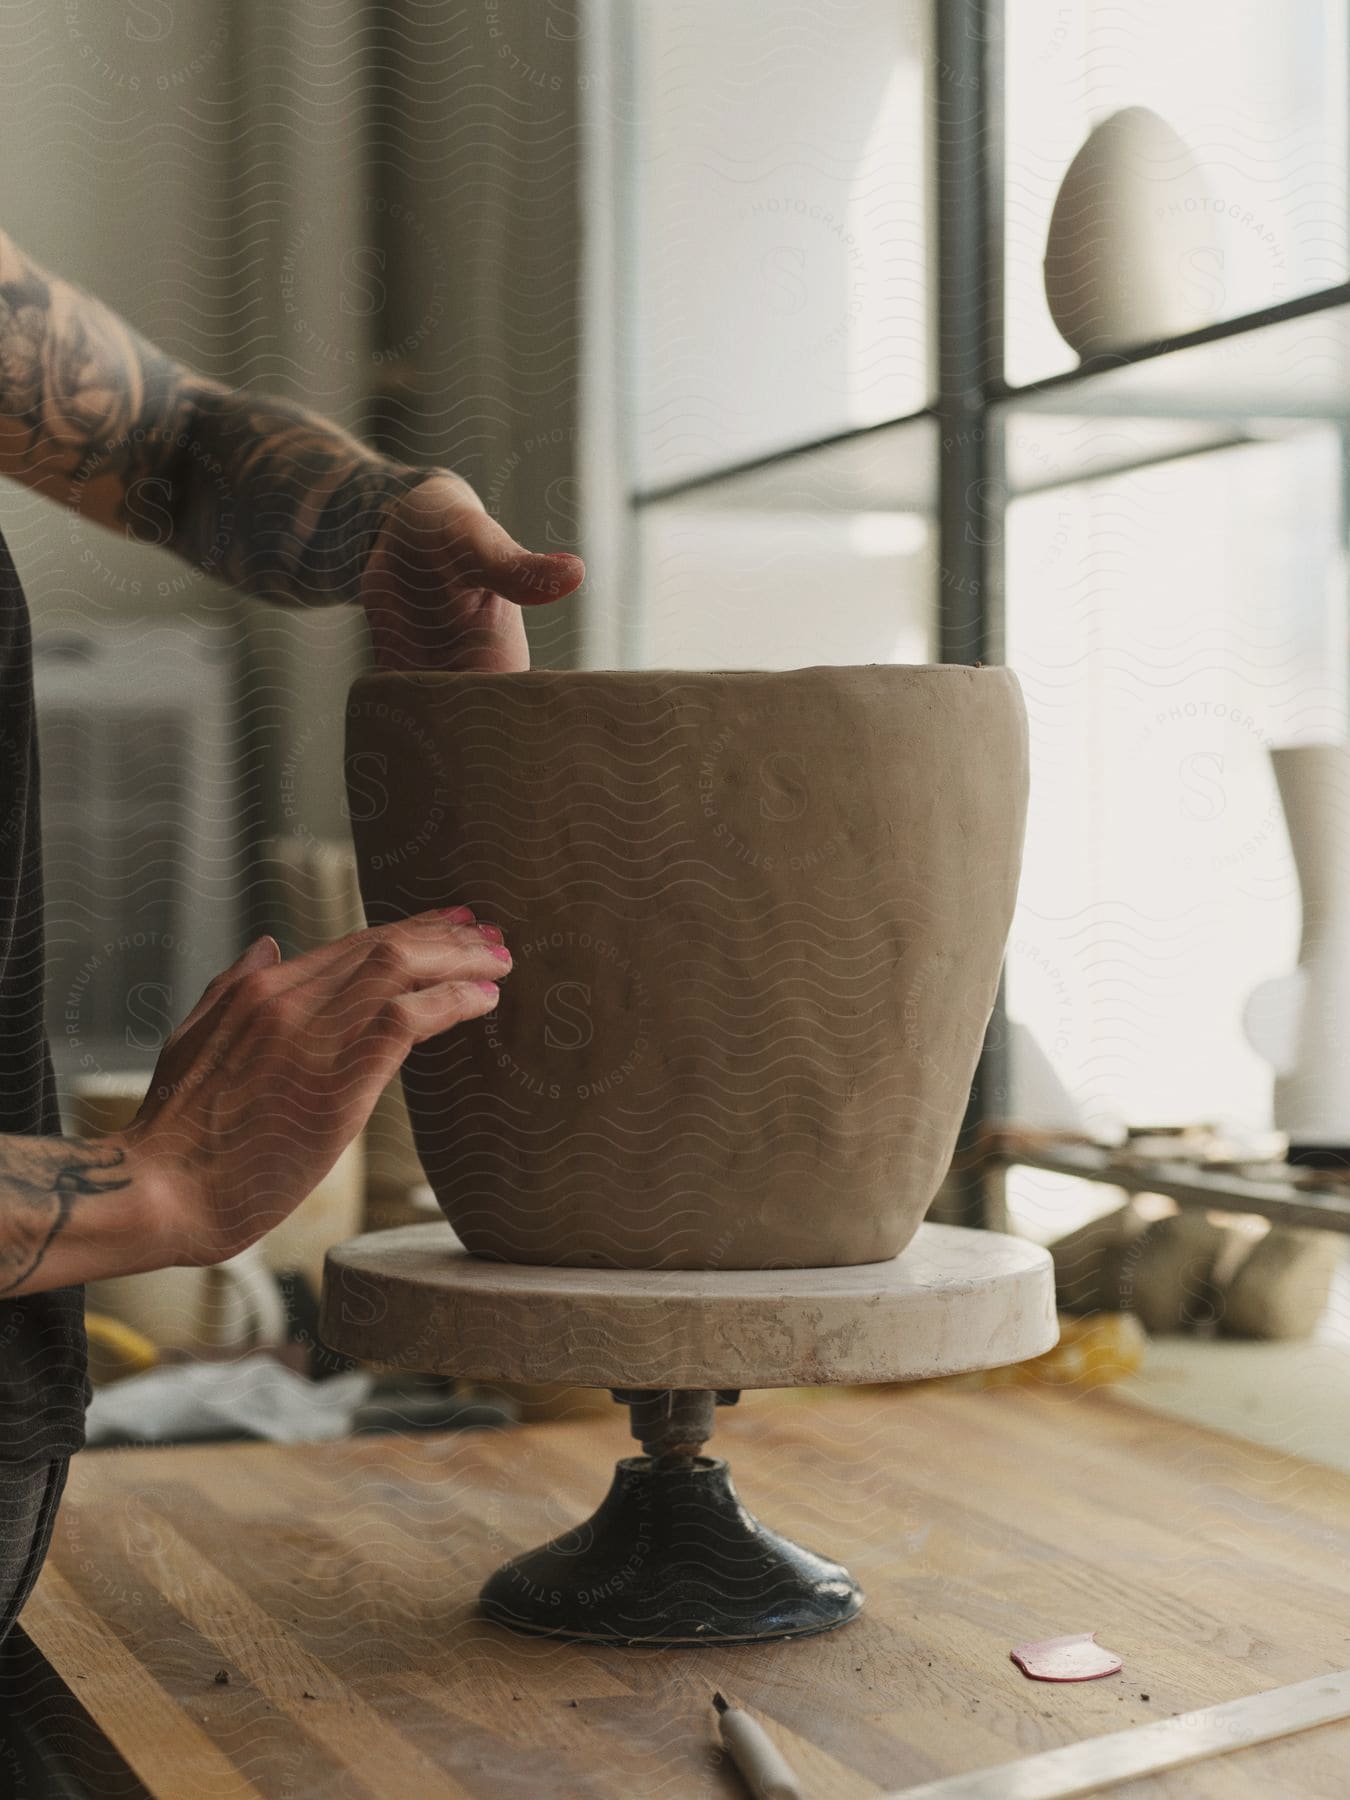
[{"x": 757, "y": 922}]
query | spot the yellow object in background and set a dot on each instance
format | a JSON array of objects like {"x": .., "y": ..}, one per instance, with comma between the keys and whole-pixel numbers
[
  {"x": 1092, "y": 1352},
  {"x": 116, "y": 1350}
]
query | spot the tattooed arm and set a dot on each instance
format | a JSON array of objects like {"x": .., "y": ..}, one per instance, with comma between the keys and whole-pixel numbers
[
  {"x": 56, "y": 1226},
  {"x": 269, "y": 496}
]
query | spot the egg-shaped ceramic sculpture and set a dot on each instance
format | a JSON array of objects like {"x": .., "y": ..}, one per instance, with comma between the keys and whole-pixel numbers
[
  {"x": 757, "y": 923},
  {"x": 1133, "y": 251}
]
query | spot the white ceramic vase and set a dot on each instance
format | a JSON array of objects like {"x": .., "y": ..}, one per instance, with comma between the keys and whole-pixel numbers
[
  {"x": 1133, "y": 250},
  {"x": 1300, "y": 1022}
]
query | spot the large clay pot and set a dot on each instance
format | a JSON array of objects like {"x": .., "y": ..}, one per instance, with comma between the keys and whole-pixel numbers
[{"x": 757, "y": 922}]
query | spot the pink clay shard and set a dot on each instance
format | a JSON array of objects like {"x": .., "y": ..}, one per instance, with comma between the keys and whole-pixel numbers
[{"x": 1077, "y": 1658}]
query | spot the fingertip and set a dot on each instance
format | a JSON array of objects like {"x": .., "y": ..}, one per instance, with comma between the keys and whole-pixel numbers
[{"x": 536, "y": 580}]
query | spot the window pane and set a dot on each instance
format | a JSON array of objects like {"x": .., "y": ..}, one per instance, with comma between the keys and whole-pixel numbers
[
  {"x": 1256, "y": 91},
  {"x": 825, "y": 558},
  {"x": 778, "y": 221},
  {"x": 1169, "y": 627}
]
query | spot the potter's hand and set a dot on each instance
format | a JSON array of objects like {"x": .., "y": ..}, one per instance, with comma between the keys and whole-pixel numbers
[
  {"x": 444, "y": 583},
  {"x": 278, "y": 1067}
]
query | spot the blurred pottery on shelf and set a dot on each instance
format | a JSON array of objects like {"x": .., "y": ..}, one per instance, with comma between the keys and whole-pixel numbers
[
  {"x": 184, "y": 1311},
  {"x": 1133, "y": 249},
  {"x": 1281, "y": 1289},
  {"x": 198, "y": 1312},
  {"x": 329, "y": 1214},
  {"x": 1300, "y": 1022},
  {"x": 1185, "y": 1272}
]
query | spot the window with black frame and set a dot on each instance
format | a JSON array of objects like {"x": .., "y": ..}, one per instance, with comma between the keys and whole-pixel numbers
[{"x": 776, "y": 275}]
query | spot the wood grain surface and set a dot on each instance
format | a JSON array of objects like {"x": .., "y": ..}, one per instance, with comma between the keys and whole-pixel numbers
[{"x": 334, "y": 1587}]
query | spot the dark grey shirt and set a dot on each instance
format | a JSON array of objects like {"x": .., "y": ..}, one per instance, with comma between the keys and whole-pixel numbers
[{"x": 43, "y": 1384}]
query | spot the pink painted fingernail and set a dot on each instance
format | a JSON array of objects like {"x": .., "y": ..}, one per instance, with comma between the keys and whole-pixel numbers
[
  {"x": 462, "y": 915},
  {"x": 490, "y": 987},
  {"x": 500, "y": 951},
  {"x": 492, "y": 932}
]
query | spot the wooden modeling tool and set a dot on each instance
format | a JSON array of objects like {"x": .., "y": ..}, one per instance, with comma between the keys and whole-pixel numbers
[
  {"x": 1099, "y": 1763},
  {"x": 754, "y": 1753}
]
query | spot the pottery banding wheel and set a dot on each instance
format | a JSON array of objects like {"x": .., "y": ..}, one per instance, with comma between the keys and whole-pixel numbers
[{"x": 672, "y": 1556}]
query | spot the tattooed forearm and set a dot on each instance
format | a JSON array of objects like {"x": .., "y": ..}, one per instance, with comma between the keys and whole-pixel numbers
[
  {"x": 260, "y": 492},
  {"x": 41, "y": 1181}
]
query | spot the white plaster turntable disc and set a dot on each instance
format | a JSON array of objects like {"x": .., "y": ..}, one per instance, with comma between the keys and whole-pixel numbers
[{"x": 953, "y": 1301}]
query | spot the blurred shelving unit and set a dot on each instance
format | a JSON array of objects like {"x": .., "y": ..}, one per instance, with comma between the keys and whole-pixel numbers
[
  {"x": 840, "y": 426},
  {"x": 1174, "y": 586},
  {"x": 1171, "y": 570}
]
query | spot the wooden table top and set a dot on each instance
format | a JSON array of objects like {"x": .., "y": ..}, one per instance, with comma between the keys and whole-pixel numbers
[{"x": 334, "y": 1586}]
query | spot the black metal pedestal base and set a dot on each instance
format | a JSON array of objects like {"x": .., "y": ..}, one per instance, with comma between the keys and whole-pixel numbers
[{"x": 671, "y": 1557}]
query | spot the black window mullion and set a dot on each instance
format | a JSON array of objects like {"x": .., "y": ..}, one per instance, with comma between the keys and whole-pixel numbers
[{"x": 967, "y": 124}]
